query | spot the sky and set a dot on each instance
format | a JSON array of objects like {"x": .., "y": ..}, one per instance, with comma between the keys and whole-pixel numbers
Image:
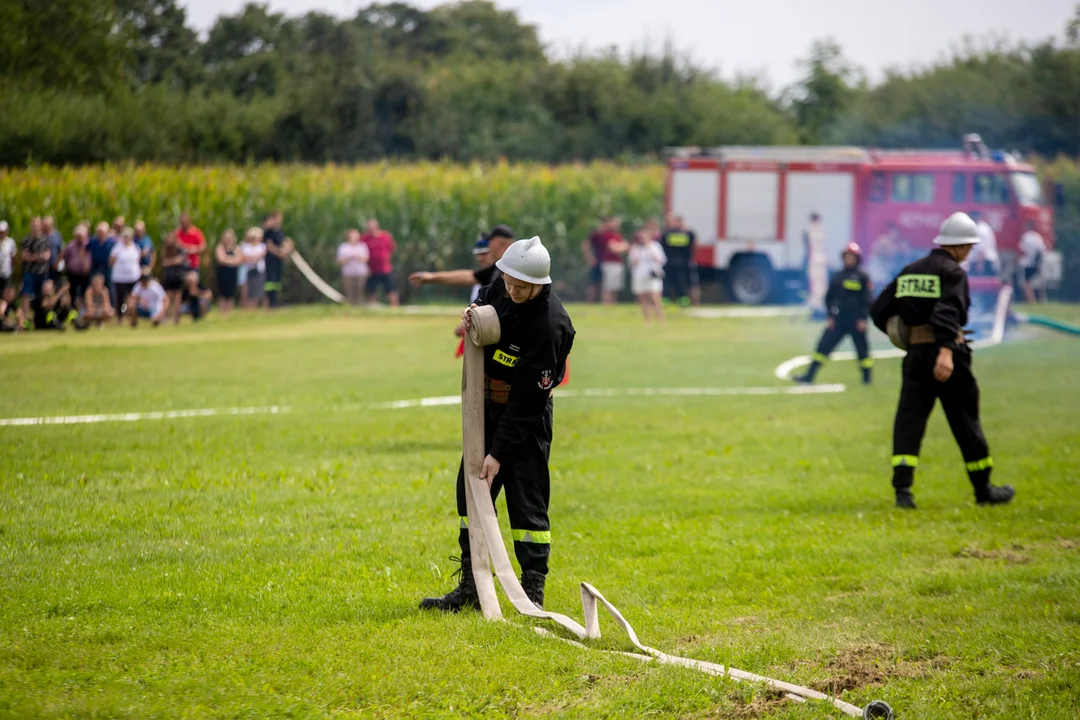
[{"x": 756, "y": 37}]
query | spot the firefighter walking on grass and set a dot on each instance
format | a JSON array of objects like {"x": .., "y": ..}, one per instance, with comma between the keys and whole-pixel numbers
[
  {"x": 924, "y": 311},
  {"x": 520, "y": 373},
  {"x": 848, "y": 304}
]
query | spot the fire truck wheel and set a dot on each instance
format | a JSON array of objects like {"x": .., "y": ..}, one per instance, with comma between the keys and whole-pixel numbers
[{"x": 751, "y": 280}]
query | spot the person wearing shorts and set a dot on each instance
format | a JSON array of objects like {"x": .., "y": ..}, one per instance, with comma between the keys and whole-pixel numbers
[
  {"x": 174, "y": 265},
  {"x": 77, "y": 263},
  {"x": 609, "y": 247},
  {"x": 148, "y": 300},
  {"x": 253, "y": 252},
  {"x": 647, "y": 261},
  {"x": 352, "y": 257},
  {"x": 1032, "y": 249},
  {"x": 381, "y": 247}
]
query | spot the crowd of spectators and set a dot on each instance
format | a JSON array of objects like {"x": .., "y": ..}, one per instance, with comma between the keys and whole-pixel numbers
[
  {"x": 119, "y": 275},
  {"x": 660, "y": 260}
]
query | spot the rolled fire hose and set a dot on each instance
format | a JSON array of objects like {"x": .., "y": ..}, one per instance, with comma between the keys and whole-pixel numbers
[{"x": 489, "y": 553}]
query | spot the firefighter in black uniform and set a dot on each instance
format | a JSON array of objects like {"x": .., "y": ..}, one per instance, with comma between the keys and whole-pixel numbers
[
  {"x": 848, "y": 303},
  {"x": 924, "y": 311},
  {"x": 521, "y": 371}
]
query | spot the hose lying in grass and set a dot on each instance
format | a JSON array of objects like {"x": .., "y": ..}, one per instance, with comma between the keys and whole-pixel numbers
[
  {"x": 488, "y": 551},
  {"x": 1053, "y": 324},
  {"x": 313, "y": 278}
]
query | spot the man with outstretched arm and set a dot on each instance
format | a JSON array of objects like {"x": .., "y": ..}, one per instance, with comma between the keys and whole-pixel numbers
[
  {"x": 924, "y": 311},
  {"x": 520, "y": 373},
  {"x": 498, "y": 240}
]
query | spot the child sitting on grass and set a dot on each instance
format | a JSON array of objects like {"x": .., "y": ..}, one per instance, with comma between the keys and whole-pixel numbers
[
  {"x": 97, "y": 303},
  {"x": 11, "y": 317},
  {"x": 54, "y": 308}
]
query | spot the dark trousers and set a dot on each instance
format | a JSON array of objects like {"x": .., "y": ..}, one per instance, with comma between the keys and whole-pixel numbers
[
  {"x": 832, "y": 337},
  {"x": 959, "y": 397},
  {"x": 273, "y": 286},
  {"x": 679, "y": 280},
  {"x": 524, "y": 476}
]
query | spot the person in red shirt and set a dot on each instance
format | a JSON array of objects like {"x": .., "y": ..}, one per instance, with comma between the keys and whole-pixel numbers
[
  {"x": 191, "y": 240},
  {"x": 381, "y": 248},
  {"x": 607, "y": 249}
]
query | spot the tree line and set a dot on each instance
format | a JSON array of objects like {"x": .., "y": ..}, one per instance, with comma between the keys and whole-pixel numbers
[{"x": 90, "y": 81}]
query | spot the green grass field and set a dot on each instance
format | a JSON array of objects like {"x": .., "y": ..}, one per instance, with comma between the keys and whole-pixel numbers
[{"x": 270, "y": 565}]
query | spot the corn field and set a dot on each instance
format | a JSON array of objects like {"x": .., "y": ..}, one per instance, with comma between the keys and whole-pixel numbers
[{"x": 435, "y": 211}]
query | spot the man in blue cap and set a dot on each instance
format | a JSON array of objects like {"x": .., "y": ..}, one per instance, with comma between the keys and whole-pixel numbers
[{"x": 488, "y": 249}]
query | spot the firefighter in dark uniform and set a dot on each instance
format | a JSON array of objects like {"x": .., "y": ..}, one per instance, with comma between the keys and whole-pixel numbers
[
  {"x": 924, "y": 311},
  {"x": 848, "y": 303},
  {"x": 521, "y": 371}
]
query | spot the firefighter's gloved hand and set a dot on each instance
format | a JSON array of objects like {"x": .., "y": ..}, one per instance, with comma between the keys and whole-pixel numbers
[
  {"x": 944, "y": 366},
  {"x": 860, "y": 325},
  {"x": 489, "y": 469}
]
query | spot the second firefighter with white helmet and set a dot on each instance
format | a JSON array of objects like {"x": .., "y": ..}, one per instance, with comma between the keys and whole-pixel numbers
[
  {"x": 520, "y": 372},
  {"x": 924, "y": 311}
]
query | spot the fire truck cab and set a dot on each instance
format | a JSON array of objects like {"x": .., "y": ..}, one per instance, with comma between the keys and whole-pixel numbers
[{"x": 750, "y": 206}]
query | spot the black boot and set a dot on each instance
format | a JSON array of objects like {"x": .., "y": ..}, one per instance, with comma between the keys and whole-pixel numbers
[
  {"x": 866, "y": 377},
  {"x": 904, "y": 499},
  {"x": 807, "y": 377},
  {"x": 994, "y": 495},
  {"x": 532, "y": 583},
  {"x": 463, "y": 596},
  {"x": 903, "y": 478}
]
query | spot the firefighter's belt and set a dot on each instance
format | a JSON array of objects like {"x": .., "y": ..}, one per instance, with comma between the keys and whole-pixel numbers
[
  {"x": 496, "y": 391},
  {"x": 924, "y": 335},
  {"x": 488, "y": 551}
]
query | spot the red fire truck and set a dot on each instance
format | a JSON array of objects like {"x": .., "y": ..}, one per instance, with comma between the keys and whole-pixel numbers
[{"x": 750, "y": 206}]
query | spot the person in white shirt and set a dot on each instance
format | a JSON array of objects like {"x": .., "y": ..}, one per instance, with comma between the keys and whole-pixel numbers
[
  {"x": 148, "y": 300},
  {"x": 7, "y": 254},
  {"x": 984, "y": 259},
  {"x": 1032, "y": 249},
  {"x": 253, "y": 249},
  {"x": 647, "y": 260},
  {"x": 817, "y": 265},
  {"x": 352, "y": 256},
  {"x": 125, "y": 261}
]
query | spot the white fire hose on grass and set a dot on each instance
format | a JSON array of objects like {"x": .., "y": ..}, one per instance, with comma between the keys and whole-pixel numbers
[{"x": 489, "y": 553}]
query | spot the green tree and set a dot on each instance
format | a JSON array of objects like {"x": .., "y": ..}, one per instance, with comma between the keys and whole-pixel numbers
[
  {"x": 65, "y": 44},
  {"x": 244, "y": 53},
  {"x": 824, "y": 92},
  {"x": 162, "y": 48}
]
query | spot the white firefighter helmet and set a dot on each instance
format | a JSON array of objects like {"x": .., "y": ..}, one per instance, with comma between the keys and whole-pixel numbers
[
  {"x": 528, "y": 261},
  {"x": 898, "y": 332},
  {"x": 958, "y": 229}
]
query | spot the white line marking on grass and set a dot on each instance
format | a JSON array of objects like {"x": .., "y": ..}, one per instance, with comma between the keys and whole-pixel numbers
[
  {"x": 419, "y": 403},
  {"x": 136, "y": 417},
  {"x": 702, "y": 391},
  {"x": 748, "y": 312}
]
